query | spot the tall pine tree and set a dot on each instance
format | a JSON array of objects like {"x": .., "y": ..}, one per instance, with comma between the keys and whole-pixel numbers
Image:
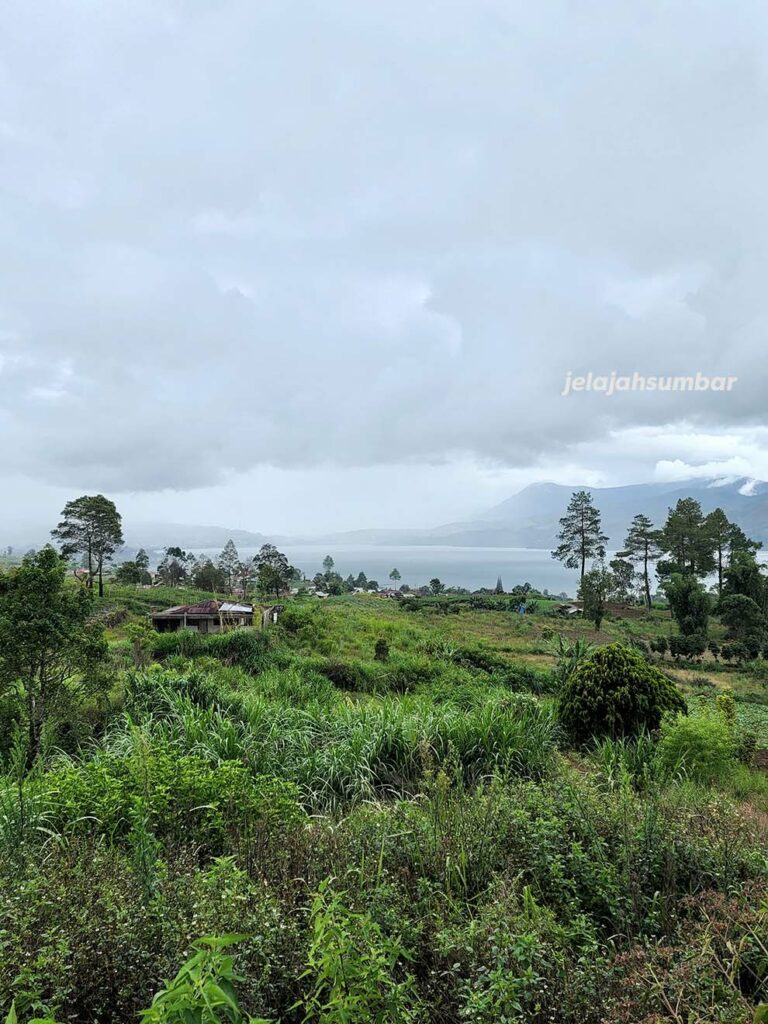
[
  {"x": 580, "y": 535},
  {"x": 641, "y": 547}
]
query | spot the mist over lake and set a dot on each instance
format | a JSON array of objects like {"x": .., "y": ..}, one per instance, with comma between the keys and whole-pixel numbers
[{"x": 470, "y": 567}]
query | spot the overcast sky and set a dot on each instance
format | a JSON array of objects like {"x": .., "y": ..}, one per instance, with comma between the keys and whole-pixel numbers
[{"x": 314, "y": 265}]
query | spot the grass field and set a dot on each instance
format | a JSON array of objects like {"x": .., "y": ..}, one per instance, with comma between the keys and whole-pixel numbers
[{"x": 382, "y": 805}]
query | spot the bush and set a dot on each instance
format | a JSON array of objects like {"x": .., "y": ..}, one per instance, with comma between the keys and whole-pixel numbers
[
  {"x": 615, "y": 692},
  {"x": 702, "y": 747},
  {"x": 692, "y": 646}
]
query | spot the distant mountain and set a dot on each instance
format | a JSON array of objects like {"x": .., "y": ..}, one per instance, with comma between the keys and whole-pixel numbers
[
  {"x": 161, "y": 535},
  {"x": 535, "y": 511},
  {"x": 530, "y": 519}
]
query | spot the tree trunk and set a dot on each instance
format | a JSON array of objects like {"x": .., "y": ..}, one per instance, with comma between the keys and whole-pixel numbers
[
  {"x": 34, "y": 725},
  {"x": 101, "y": 579}
]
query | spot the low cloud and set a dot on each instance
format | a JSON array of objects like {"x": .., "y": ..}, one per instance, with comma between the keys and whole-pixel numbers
[{"x": 242, "y": 234}]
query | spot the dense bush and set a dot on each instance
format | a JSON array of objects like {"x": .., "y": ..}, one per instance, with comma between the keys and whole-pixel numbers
[
  {"x": 615, "y": 692},
  {"x": 702, "y": 747},
  {"x": 244, "y": 647}
]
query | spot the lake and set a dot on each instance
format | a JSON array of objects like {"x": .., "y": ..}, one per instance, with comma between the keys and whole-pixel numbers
[{"x": 459, "y": 567}]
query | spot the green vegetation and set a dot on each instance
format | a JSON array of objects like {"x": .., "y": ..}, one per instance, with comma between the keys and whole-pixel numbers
[
  {"x": 456, "y": 807},
  {"x": 616, "y": 693}
]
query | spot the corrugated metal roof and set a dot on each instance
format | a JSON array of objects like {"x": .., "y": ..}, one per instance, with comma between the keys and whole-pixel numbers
[{"x": 204, "y": 608}]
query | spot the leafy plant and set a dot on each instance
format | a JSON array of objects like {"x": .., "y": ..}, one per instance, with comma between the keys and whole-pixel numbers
[
  {"x": 203, "y": 991},
  {"x": 615, "y": 692},
  {"x": 352, "y": 968}
]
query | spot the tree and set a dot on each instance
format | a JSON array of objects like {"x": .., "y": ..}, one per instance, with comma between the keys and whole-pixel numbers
[
  {"x": 686, "y": 540},
  {"x": 499, "y": 588},
  {"x": 395, "y": 576},
  {"x": 90, "y": 526},
  {"x": 46, "y": 636},
  {"x": 210, "y": 577},
  {"x": 362, "y": 581},
  {"x": 273, "y": 572},
  {"x": 175, "y": 567},
  {"x": 740, "y": 543},
  {"x": 742, "y": 617},
  {"x": 328, "y": 564},
  {"x": 593, "y": 591},
  {"x": 641, "y": 547},
  {"x": 689, "y": 603},
  {"x": 621, "y": 581},
  {"x": 615, "y": 692},
  {"x": 720, "y": 530},
  {"x": 580, "y": 535},
  {"x": 228, "y": 562},
  {"x": 245, "y": 574},
  {"x": 436, "y": 586},
  {"x": 135, "y": 571},
  {"x": 744, "y": 575}
]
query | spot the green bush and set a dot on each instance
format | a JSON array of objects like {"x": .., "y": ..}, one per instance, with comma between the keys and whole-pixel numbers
[
  {"x": 615, "y": 692},
  {"x": 177, "y": 797},
  {"x": 702, "y": 747}
]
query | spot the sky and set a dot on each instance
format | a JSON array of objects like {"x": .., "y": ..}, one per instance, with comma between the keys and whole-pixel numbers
[{"x": 303, "y": 266}]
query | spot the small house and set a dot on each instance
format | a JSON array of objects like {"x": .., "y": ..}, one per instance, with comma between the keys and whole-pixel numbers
[
  {"x": 204, "y": 617},
  {"x": 568, "y": 611}
]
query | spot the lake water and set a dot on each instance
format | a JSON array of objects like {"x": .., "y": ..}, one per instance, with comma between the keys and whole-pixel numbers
[{"x": 459, "y": 567}]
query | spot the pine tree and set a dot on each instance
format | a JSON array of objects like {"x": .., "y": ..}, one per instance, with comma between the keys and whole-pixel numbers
[
  {"x": 641, "y": 547},
  {"x": 686, "y": 540},
  {"x": 228, "y": 563},
  {"x": 580, "y": 535}
]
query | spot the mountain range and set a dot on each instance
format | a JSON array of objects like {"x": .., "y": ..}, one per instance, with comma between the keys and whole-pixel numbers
[{"x": 528, "y": 519}]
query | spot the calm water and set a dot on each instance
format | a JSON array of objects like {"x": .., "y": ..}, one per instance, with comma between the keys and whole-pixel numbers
[{"x": 460, "y": 567}]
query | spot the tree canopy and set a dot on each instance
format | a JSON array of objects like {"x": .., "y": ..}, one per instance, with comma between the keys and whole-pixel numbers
[
  {"x": 90, "y": 526},
  {"x": 581, "y": 537}
]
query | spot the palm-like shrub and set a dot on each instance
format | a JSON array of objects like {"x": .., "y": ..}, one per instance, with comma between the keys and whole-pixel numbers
[{"x": 615, "y": 692}]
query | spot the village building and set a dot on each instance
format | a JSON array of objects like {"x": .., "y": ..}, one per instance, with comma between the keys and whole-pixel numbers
[{"x": 204, "y": 617}]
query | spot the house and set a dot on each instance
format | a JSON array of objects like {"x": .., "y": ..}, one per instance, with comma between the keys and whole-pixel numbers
[
  {"x": 205, "y": 617},
  {"x": 568, "y": 610},
  {"x": 389, "y": 592}
]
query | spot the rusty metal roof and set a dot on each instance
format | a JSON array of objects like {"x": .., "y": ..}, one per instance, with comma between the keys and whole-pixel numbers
[{"x": 203, "y": 609}]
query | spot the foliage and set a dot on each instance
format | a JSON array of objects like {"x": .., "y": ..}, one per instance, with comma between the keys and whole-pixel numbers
[
  {"x": 203, "y": 991},
  {"x": 580, "y": 536},
  {"x": 686, "y": 541},
  {"x": 641, "y": 547},
  {"x": 688, "y": 602},
  {"x": 273, "y": 573},
  {"x": 593, "y": 592},
  {"x": 702, "y": 747},
  {"x": 46, "y": 635},
  {"x": 615, "y": 692},
  {"x": 90, "y": 526},
  {"x": 351, "y": 968}
]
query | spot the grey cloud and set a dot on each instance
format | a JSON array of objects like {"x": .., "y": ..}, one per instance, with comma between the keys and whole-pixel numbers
[{"x": 237, "y": 233}]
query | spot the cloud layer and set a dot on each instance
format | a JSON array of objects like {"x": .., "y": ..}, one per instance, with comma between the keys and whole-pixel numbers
[{"x": 350, "y": 234}]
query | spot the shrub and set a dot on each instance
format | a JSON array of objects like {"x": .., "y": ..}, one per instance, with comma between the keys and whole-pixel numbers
[
  {"x": 352, "y": 968},
  {"x": 615, "y": 692},
  {"x": 690, "y": 646},
  {"x": 381, "y": 650},
  {"x": 702, "y": 747},
  {"x": 660, "y": 645},
  {"x": 689, "y": 603}
]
